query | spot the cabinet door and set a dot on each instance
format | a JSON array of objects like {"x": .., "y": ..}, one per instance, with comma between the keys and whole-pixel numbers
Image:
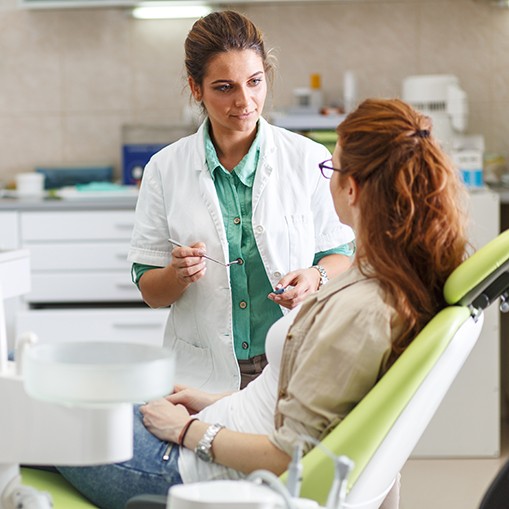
[
  {"x": 467, "y": 422},
  {"x": 79, "y": 257},
  {"x": 76, "y": 225},
  {"x": 61, "y": 287},
  {"x": 130, "y": 325},
  {"x": 9, "y": 237}
]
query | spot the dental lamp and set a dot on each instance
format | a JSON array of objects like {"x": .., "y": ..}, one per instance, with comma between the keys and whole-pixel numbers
[{"x": 67, "y": 403}]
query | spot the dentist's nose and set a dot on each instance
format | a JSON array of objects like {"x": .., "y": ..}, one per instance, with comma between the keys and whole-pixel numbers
[{"x": 242, "y": 97}]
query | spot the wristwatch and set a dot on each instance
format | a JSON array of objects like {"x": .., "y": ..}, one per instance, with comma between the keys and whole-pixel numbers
[
  {"x": 204, "y": 447},
  {"x": 323, "y": 275}
]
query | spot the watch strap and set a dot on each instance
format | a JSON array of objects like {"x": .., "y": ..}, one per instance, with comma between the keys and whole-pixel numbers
[
  {"x": 204, "y": 447},
  {"x": 323, "y": 275}
]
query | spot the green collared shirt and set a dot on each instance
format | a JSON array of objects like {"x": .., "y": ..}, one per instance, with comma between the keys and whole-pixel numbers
[{"x": 253, "y": 313}]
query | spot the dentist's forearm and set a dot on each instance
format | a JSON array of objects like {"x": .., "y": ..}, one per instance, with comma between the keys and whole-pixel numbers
[{"x": 161, "y": 287}]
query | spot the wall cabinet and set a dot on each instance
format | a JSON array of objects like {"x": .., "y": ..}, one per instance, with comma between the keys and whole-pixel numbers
[
  {"x": 80, "y": 276},
  {"x": 467, "y": 423}
]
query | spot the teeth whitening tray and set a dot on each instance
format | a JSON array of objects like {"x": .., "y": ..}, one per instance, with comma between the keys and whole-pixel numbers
[{"x": 67, "y": 403}]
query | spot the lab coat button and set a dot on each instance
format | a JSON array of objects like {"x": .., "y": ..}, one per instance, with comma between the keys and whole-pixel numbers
[
  {"x": 277, "y": 274},
  {"x": 260, "y": 229},
  {"x": 245, "y": 346},
  {"x": 236, "y": 220},
  {"x": 243, "y": 304}
]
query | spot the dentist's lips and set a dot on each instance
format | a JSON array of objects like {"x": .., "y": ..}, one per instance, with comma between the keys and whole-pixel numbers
[{"x": 243, "y": 116}]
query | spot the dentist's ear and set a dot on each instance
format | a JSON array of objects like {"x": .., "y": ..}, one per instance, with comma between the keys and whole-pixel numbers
[{"x": 195, "y": 89}]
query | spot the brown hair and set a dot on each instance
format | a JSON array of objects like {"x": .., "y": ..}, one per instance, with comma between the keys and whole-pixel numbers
[
  {"x": 220, "y": 32},
  {"x": 413, "y": 229}
]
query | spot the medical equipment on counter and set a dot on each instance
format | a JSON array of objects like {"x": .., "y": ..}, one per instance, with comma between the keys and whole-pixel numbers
[
  {"x": 440, "y": 97},
  {"x": 83, "y": 414}
]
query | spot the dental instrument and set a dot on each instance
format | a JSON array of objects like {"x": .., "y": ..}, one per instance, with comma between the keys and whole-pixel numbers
[{"x": 238, "y": 260}]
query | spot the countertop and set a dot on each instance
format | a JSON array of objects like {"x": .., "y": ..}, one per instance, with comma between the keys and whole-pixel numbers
[
  {"x": 125, "y": 202},
  {"x": 110, "y": 203}
]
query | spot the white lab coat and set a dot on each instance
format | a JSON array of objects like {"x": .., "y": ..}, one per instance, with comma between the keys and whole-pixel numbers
[{"x": 293, "y": 218}]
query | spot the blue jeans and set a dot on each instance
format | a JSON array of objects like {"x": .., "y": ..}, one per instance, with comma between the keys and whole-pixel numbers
[{"x": 111, "y": 486}]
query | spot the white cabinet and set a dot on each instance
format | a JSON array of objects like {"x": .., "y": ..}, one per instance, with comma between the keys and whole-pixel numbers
[
  {"x": 467, "y": 423},
  {"x": 81, "y": 280},
  {"x": 131, "y": 325}
]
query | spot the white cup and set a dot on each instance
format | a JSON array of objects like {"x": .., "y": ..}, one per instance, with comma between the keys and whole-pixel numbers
[{"x": 30, "y": 184}]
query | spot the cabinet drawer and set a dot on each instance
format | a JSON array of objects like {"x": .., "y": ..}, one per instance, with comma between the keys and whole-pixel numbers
[
  {"x": 131, "y": 325},
  {"x": 76, "y": 225},
  {"x": 83, "y": 287},
  {"x": 93, "y": 256}
]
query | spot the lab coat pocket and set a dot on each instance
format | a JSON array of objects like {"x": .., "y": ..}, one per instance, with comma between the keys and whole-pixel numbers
[
  {"x": 194, "y": 363},
  {"x": 301, "y": 239}
]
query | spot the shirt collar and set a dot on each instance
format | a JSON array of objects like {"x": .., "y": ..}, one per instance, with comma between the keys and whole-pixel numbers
[{"x": 246, "y": 168}]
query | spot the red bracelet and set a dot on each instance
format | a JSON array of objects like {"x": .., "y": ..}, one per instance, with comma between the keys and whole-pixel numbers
[{"x": 185, "y": 429}]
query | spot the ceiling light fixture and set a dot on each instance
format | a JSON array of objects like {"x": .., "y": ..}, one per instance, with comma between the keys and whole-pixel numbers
[{"x": 159, "y": 10}]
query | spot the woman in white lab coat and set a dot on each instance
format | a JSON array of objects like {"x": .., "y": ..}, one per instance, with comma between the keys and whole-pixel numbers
[{"x": 238, "y": 190}]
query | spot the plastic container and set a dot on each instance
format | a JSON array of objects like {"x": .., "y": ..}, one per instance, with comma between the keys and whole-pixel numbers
[{"x": 94, "y": 373}]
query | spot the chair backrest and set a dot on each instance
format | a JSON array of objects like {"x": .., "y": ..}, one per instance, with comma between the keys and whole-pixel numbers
[{"x": 382, "y": 430}]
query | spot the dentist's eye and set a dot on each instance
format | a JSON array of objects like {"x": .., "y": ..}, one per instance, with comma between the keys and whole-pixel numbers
[{"x": 224, "y": 88}]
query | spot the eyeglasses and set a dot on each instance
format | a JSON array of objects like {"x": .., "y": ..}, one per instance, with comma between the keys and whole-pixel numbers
[{"x": 327, "y": 169}]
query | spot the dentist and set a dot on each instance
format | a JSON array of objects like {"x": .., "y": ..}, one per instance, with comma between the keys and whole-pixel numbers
[{"x": 237, "y": 190}]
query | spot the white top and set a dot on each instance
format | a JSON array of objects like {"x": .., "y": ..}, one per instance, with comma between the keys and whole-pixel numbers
[
  {"x": 293, "y": 218},
  {"x": 250, "y": 410}
]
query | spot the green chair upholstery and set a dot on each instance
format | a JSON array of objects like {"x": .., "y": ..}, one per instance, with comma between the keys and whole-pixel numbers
[{"x": 64, "y": 495}]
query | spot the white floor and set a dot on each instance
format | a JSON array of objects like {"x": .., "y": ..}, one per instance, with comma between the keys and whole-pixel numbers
[{"x": 449, "y": 483}]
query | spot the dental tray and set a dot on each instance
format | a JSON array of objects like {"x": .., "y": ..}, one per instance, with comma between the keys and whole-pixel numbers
[{"x": 97, "y": 372}]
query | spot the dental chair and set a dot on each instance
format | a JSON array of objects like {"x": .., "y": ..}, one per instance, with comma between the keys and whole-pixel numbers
[{"x": 383, "y": 429}]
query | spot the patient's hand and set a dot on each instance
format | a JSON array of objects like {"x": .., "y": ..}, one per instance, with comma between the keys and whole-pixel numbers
[
  {"x": 164, "y": 419},
  {"x": 193, "y": 399}
]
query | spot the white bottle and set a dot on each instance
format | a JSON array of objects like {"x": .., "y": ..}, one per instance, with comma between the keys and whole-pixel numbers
[{"x": 349, "y": 91}]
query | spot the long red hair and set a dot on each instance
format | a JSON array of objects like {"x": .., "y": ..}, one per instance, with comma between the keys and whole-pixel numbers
[{"x": 413, "y": 228}]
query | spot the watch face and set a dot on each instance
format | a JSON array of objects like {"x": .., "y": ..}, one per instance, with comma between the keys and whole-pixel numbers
[{"x": 204, "y": 454}]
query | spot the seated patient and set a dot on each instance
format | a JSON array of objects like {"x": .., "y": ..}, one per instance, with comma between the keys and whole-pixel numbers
[{"x": 392, "y": 183}]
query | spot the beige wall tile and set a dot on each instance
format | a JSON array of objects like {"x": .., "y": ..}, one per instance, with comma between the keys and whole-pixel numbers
[
  {"x": 29, "y": 63},
  {"x": 93, "y": 139},
  {"x": 28, "y": 140},
  {"x": 98, "y": 69},
  {"x": 96, "y": 60}
]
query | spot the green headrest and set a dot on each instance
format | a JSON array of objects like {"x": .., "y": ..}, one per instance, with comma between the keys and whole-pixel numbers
[{"x": 478, "y": 272}]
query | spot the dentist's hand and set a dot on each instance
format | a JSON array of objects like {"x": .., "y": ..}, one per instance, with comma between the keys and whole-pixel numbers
[
  {"x": 164, "y": 419},
  {"x": 188, "y": 262},
  {"x": 193, "y": 399},
  {"x": 302, "y": 282}
]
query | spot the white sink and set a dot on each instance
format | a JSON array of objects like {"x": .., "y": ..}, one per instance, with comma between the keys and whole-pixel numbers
[{"x": 95, "y": 373}]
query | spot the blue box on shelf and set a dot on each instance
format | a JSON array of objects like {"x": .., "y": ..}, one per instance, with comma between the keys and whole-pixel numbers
[{"x": 134, "y": 158}]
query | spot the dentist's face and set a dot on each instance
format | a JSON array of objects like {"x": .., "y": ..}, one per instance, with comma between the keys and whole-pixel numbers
[{"x": 233, "y": 91}]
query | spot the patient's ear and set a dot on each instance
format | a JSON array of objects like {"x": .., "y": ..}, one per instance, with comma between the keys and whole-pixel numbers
[{"x": 353, "y": 190}]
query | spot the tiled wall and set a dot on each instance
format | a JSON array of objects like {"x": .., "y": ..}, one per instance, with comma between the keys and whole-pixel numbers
[{"x": 70, "y": 79}]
